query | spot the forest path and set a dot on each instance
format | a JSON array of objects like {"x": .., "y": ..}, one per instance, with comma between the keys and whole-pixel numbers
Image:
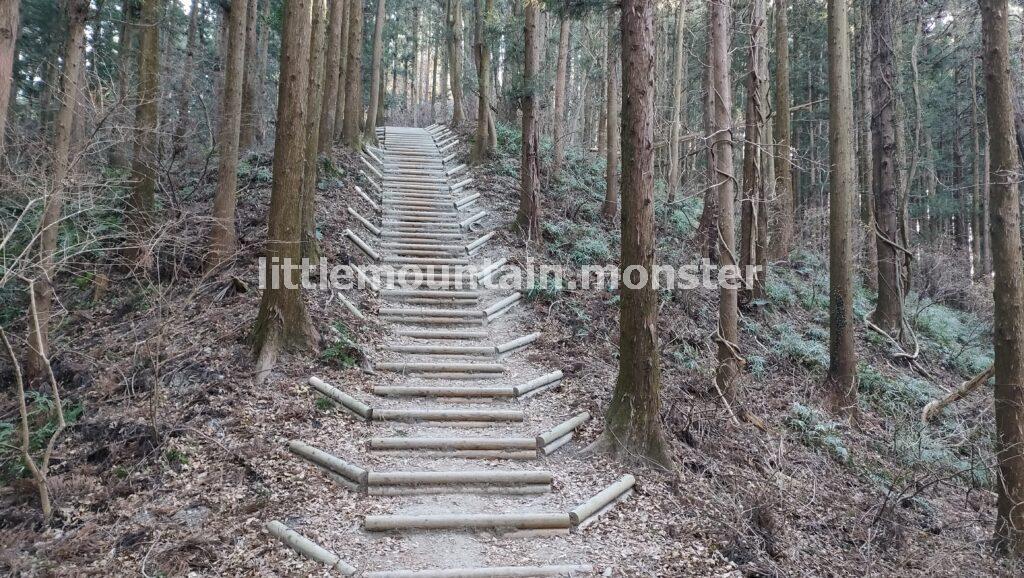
[{"x": 462, "y": 453}]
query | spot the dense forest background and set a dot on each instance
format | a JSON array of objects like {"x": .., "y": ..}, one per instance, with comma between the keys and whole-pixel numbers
[{"x": 149, "y": 149}]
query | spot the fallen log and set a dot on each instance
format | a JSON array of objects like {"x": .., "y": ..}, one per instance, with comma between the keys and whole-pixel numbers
[{"x": 935, "y": 407}]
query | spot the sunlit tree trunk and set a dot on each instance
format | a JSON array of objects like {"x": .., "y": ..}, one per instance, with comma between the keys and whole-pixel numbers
[
  {"x": 724, "y": 180},
  {"x": 314, "y": 108},
  {"x": 528, "y": 215},
  {"x": 633, "y": 420},
  {"x": 142, "y": 200},
  {"x": 8, "y": 37},
  {"x": 53, "y": 204},
  {"x": 611, "y": 100},
  {"x": 559, "y": 136},
  {"x": 782, "y": 235},
  {"x": 842, "y": 379},
  {"x": 370, "y": 133},
  {"x": 1008, "y": 287},
  {"x": 224, "y": 238},
  {"x": 283, "y": 322},
  {"x": 252, "y": 77},
  {"x": 678, "y": 104},
  {"x": 352, "y": 133},
  {"x": 888, "y": 313}
]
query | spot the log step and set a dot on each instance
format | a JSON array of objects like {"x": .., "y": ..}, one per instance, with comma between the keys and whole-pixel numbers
[
  {"x": 531, "y": 521},
  {"x": 441, "y": 334},
  {"x": 447, "y": 415},
  {"x": 489, "y": 572}
]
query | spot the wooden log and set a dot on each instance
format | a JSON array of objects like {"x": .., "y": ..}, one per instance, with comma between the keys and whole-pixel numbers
[
  {"x": 372, "y": 168},
  {"x": 489, "y": 572},
  {"x": 517, "y": 343},
  {"x": 451, "y": 443},
  {"x": 935, "y": 407},
  {"x": 461, "y": 415},
  {"x": 369, "y": 226},
  {"x": 449, "y": 334},
  {"x": 602, "y": 499},
  {"x": 473, "y": 246},
  {"x": 466, "y": 521},
  {"x": 365, "y": 279},
  {"x": 506, "y": 302},
  {"x": 436, "y": 320},
  {"x": 367, "y": 198},
  {"x": 469, "y": 222},
  {"x": 372, "y": 183},
  {"x": 350, "y": 306},
  {"x": 329, "y": 462},
  {"x": 594, "y": 517},
  {"x": 459, "y": 477},
  {"x": 530, "y": 489},
  {"x": 309, "y": 549},
  {"x": 427, "y": 293},
  {"x": 444, "y": 349},
  {"x": 489, "y": 270},
  {"x": 425, "y": 261},
  {"x": 427, "y": 391},
  {"x": 362, "y": 245},
  {"x": 541, "y": 381},
  {"x": 466, "y": 454},
  {"x": 562, "y": 428},
  {"x": 412, "y": 366},
  {"x": 466, "y": 200},
  {"x": 353, "y": 404},
  {"x": 456, "y": 170},
  {"x": 403, "y": 312},
  {"x": 449, "y": 158},
  {"x": 551, "y": 447},
  {"x": 369, "y": 151}
]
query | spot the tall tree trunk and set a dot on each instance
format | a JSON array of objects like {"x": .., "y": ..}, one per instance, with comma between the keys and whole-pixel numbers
[
  {"x": 559, "y": 136},
  {"x": 1008, "y": 287},
  {"x": 724, "y": 179},
  {"x": 39, "y": 342},
  {"x": 888, "y": 314},
  {"x": 842, "y": 378},
  {"x": 142, "y": 201},
  {"x": 185, "y": 91},
  {"x": 283, "y": 322},
  {"x": 678, "y": 104},
  {"x": 633, "y": 421},
  {"x": 454, "y": 40},
  {"x": 314, "y": 108},
  {"x": 528, "y": 216},
  {"x": 869, "y": 258},
  {"x": 251, "y": 80},
  {"x": 353, "y": 84},
  {"x": 782, "y": 239},
  {"x": 331, "y": 77},
  {"x": 753, "y": 204},
  {"x": 986, "y": 222},
  {"x": 611, "y": 100},
  {"x": 976, "y": 224},
  {"x": 707, "y": 227},
  {"x": 339, "y": 114},
  {"x": 224, "y": 238},
  {"x": 370, "y": 132},
  {"x": 482, "y": 149},
  {"x": 9, "y": 22}
]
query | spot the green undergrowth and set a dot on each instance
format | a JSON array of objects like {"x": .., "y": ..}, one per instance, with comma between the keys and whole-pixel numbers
[
  {"x": 42, "y": 422},
  {"x": 343, "y": 353}
]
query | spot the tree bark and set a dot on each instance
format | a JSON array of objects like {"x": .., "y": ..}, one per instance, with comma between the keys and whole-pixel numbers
[
  {"x": 611, "y": 100},
  {"x": 370, "y": 132},
  {"x": 185, "y": 92},
  {"x": 251, "y": 79},
  {"x": 869, "y": 257},
  {"x": 339, "y": 114},
  {"x": 353, "y": 84},
  {"x": 454, "y": 40},
  {"x": 331, "y": 76},
  {"x": 314, "y": 109},
  {"x": 842, "y": 378},
  {"x": 142, "y": 200},
  {"x": 782, "y": 239},
  {"x": 724, "y": 180},
  {"x": 43, "y": 288},
  {"x": 753, "y": 203},
  {"x": 707, "y": 228},
  {"x": 678, "y": 104},
  {"x": 888, "y": 314},
  {"x": 482, "y": 144},
  {"x": 559, "y": 136},
  {"x": 1008, "y": 287},
  {"x": 977, "y": 256},
  {"x": 224, "y": 238},
  {"x": 633, "y": 429},
  {"x": 528, "y": 215},
  {"x": 283, "y": 322},
  {"x": 9, "y": 22}
]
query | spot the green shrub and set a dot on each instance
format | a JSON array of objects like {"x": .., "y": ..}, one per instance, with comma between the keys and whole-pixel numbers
[
  {"x": 343, "y": 353},
  {"x": 816, "y": 431},
  {"x": 809, "y": 354}
]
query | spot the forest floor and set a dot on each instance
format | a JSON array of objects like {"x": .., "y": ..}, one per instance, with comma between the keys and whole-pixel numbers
[{"x": 175, "y": 458}]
